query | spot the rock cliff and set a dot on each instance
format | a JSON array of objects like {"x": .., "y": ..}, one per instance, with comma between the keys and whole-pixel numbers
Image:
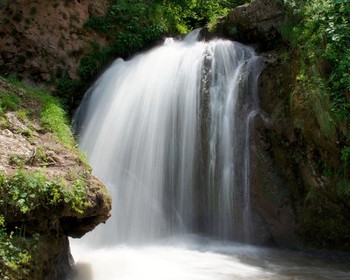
[
  {"x": 297, "y": 193},
  {"x": 47, "y": 190},
  {"x": 45, "y": 40}
]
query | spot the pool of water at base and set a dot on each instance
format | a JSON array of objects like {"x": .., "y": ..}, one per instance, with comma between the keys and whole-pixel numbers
[{"x": 198, "y": 258}]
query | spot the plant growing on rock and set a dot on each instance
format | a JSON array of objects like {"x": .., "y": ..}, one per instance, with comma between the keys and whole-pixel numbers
[
  {"x": 36, "y": 192},
  {"x": 318, "y": 34}
]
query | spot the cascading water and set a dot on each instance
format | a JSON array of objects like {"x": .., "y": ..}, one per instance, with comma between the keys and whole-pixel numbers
[
  {"x": 233, "y": 100},
  {"x": 168, "y": 133},
  {"x": 141, "y": 127}
]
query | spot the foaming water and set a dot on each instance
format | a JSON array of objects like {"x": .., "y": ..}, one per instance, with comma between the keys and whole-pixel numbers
[
  {"x": 201, "y": 259},
  {"x": 161, "y": 263},
  {"x": 168, "y": 133}
]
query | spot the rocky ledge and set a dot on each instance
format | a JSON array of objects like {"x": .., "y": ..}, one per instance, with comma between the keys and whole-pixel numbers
[{"x": 47, "y": 190}]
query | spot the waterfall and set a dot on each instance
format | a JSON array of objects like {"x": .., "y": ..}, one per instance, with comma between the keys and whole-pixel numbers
[{"x": 168, "y": 133}]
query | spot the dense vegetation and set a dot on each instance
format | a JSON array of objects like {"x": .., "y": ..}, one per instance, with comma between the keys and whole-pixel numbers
[
  {"x": 320, "y": 30},
  {"x": 22, "y": 195},
  {"x": 129, "y": 26},
  {"x": 133, "y": 25},
  {"x": 319, "y": 33},
  {"x": 25, "y": 188}
]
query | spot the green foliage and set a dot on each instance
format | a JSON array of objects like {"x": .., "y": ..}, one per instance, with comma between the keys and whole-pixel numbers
[
  {"x": 40, "y": 157},
  {"x": 92, "y": 63},
  {"x": 54, "y": 119},
  {"x": 321, "y": 30},
  {"x": 27, "y": 191},
  {"x": 131, "y": 26},
  {"x": 76, "y": 196},
  {"x": 49, "y": 111},
  {"x": 45, "y": 108},
  {"x": 9, "y": 102},
  {"x": 24, "y": 192},
  {"x": 189, "y": 14},
  {"x": 20, "y": 193},
  {"x": 16, "y": 253},
  {"x": 16, "y": 159},
  {"x": 68, "y": 89},
  {"x": 22, "y": 115},
  {"x": 345, "y": 155}
]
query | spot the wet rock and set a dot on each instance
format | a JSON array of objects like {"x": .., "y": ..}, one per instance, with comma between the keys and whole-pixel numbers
[{"x": 296, "y": 190}]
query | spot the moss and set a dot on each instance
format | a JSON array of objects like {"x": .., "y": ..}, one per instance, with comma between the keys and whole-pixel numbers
[
  {"x": 325, "y": 224},
  {"x": 38, "y": 189},
  {"x": 9, "y": 102},
  {"x": 47, "y": 109}
]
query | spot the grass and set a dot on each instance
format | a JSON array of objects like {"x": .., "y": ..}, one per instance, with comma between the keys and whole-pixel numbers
[
  {"x": 36, "y": 104},
  {"x": 8, "y": 102}
]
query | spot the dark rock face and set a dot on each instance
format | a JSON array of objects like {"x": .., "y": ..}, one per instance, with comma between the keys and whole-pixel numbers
[
  {"x": 271, "y": 196},
  {"x": 275, "y": 218},
  {"x": 57, "y": 252},
  {"x": 304, "y": 197},
  {"x": 258, "y": 23},
  {"x": 295, "y": 189}
]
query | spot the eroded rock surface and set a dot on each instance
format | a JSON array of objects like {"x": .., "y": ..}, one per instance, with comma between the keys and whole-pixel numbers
[
  {"x": 44, "y": 40},
  {"x": 297, "y": 194},
  {"x": 27, "y": 146}
]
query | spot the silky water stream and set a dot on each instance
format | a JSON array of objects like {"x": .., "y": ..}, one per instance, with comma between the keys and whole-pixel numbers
[{"x": 167, "y": 132}]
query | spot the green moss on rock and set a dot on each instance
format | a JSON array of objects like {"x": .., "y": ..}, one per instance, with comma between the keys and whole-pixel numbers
[{"x": 45, "y": 184}]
